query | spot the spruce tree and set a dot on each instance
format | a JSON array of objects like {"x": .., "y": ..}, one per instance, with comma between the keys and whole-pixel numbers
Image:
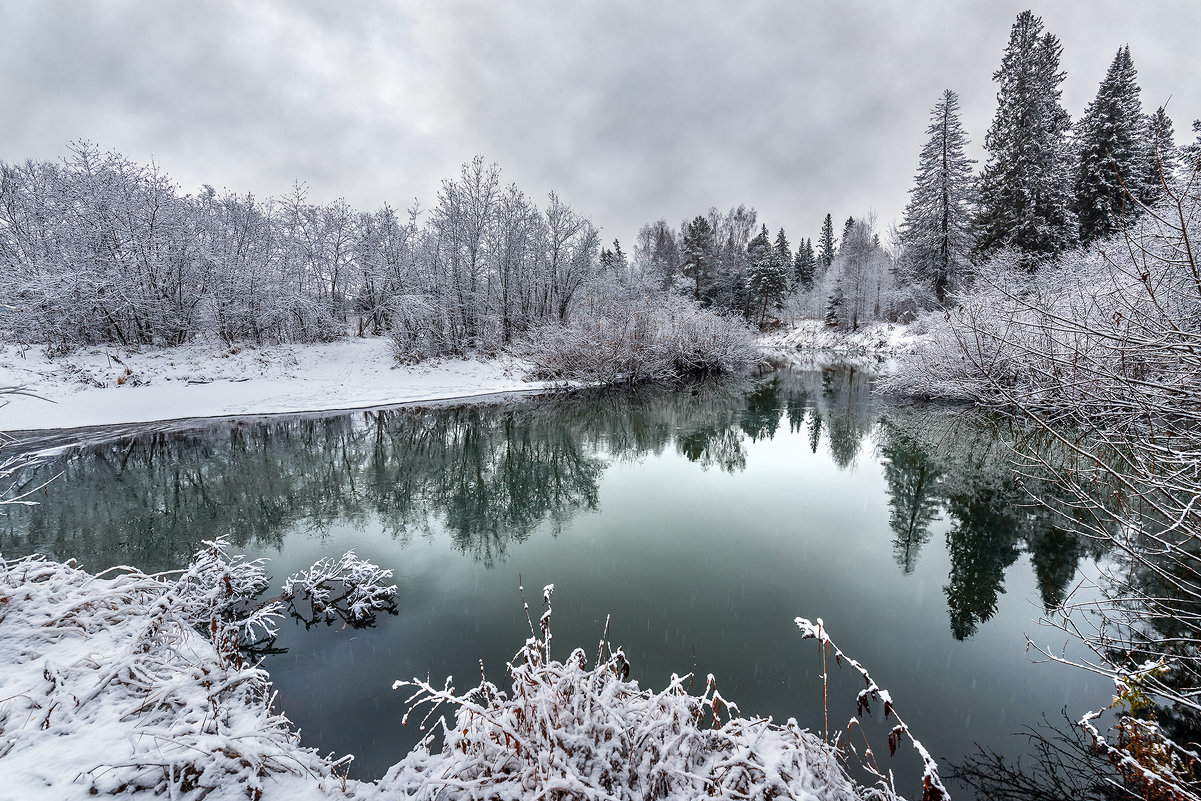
[
  {"x": 1025, "y": 198},
  {"x": 1112, "y": 153},
  {"x": 697, "y": 253},
  {"x": 834, "y": 305},
  {"x": 826, "y": 248},
  {"x": 846, "y": 230},
  {"x": 935, "y": 232},
  {"x": 613, "y": 262},
  {"x": 619, "y": 255},
  {"x": 1192, "y": 152},
  {"x": 804, "y": 265},
  {"x": 1164, "y": 158},
  {"x": 767, "y": 275},
  {"x": 783, "y": 251}
]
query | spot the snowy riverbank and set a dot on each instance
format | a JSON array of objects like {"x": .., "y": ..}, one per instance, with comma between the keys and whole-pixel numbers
[
  {"x": 106, "y": 386},
  {"x": 878, "y": 339},
  {"x": 101, "y": 386}
]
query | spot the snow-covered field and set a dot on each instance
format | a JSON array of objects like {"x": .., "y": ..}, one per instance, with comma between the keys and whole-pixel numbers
[
  {"x": 105, "y": 386},
  {"x": 101, "y": 386}
]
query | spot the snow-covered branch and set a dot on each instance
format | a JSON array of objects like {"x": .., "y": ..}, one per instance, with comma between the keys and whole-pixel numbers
[
  {"x": 349, "y": 587},
  {"x": 932, "y": 786}
]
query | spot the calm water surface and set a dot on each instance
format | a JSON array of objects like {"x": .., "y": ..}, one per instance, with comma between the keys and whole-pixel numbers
[{"x": 700, "y": 522}]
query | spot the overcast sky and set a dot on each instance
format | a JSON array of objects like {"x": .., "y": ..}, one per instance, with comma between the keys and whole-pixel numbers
[{"x": 630, "y": 110}]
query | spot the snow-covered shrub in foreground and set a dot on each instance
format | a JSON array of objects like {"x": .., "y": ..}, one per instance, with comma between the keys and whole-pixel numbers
[
  {"x": 136, "y": 683},
  {"x": 567, "y": 730},
  {"x": 644, "y": 342},
  {"x": 108, "y": 685}
]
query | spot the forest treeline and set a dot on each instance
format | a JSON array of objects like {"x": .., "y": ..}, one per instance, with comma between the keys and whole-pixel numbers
[
  {"x": 99, "y": 249},
  {"x": 1049, "y": 187}
]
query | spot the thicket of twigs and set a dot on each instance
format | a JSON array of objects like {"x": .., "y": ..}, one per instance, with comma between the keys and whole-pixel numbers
[
  {"x": 661, "y": 341},
  {"x": 1104, "y": 352},
  {"x": 567, "y": 730}
]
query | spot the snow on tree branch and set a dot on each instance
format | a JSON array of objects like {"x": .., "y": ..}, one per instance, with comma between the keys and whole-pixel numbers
[
  {"x": 349, "y": 587},
  {"x": 932, "y": 786}
]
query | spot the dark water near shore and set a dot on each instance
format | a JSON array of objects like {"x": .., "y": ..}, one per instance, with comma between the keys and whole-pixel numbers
[{"x": 700, "y": 522}]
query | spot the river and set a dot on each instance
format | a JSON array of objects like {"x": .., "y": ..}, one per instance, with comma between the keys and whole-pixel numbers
[{"x": 698, "y": 522}]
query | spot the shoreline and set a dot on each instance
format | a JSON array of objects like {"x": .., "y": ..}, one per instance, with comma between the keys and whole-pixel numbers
[{"x": 101, "y": 389}]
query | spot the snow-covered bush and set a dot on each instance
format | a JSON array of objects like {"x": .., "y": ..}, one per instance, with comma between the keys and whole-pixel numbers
[
  {"x": 661, "y": 341},
  {"x": 1111, "y": 334},
  {"x": 567, "y": 730},
  {"x": 109, "y": 686},
  {"x": 350, "y": 588},
  {"x": 128, "y": 683}
]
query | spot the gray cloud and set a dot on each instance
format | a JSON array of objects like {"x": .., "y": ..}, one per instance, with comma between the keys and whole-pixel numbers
[{"x": 631, "y": 110}]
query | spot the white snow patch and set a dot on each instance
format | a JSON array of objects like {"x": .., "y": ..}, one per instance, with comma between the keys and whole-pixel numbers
[
  {"x": 105, "y": 386},
  {"x": 883, "y": 340}
]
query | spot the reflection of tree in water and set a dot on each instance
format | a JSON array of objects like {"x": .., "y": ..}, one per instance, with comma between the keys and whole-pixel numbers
[
  {"x": 915, "y": 495},
  {"x": 492, "y": 474},
  {"x": 954, "y": 462},
  {"x": 488, "y": 474},
  {"x": 836, "y": 400},
  {"x": 850, "y": 414},
  {"x": 761, "y": 416},
  {"x": 982, "y": 542}
]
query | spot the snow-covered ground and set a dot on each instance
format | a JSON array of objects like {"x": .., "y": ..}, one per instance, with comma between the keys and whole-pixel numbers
[
  {"x": 106, "y": 386},
  {"x": 882, "y": 340}
]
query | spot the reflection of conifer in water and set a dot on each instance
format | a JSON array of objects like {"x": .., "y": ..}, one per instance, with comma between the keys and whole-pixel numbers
[
  {"x": 796, "y": 408},
  {"x": 815, "y": 429},
  {"x": 851, "y": 412},
  {"x": 982, "y": 542},
  {"x": 761, "y": 417},
  {"x": 913, "y": 484},
  {"x": 719, "y": 446},
  {"x": 1055, "y": 555}
]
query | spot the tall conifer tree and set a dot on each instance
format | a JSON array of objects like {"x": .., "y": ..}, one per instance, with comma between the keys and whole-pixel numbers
[
  {"x": 1113, "y": 152},
  {"x": 804, "y": 265},
  {"x": 1192, "y": 152},
  {"x": 697, "y": 252},
  {"x": 936, "y": 231},
  {"x": 767, "y": 275},
  {"x": 1164, "y": 160},
  {"x": 825, "y": 247},
  {"x": 1025, "y": 190},
  {"x": 783, "y": 250}
]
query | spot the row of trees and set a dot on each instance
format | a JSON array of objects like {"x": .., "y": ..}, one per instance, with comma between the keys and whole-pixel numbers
[
  {"x": 1083, "y": 319},
  {"x": 1048, "y": 185},
  {"x": 99, "y": 249},
  {"x": 721, "y": 261}
]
